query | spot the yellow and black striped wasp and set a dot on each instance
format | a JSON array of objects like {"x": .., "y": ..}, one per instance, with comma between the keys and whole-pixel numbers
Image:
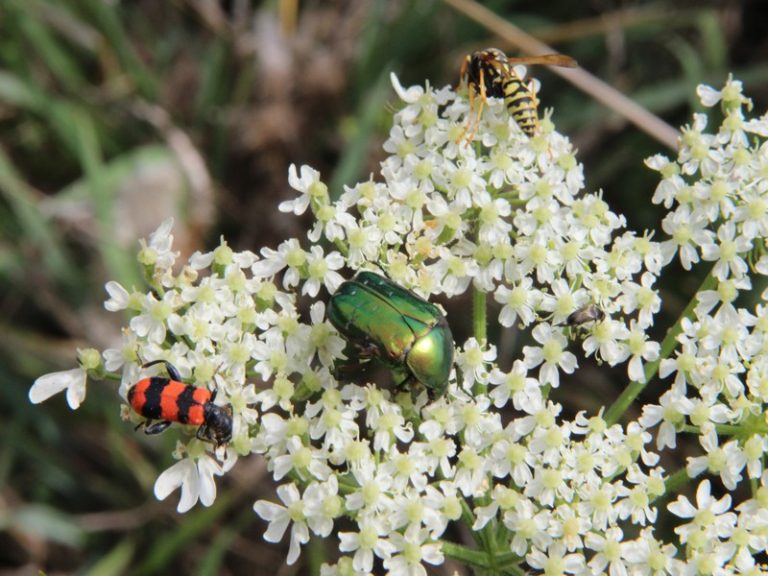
[{"x": 490, "y": 73}]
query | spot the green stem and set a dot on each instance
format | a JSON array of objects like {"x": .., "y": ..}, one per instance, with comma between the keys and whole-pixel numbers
[
  {"x": 491, "y": 564},
  {"x": 316, "y": 555},
  {"x": 468, "y": 518},
  {"x": 721, "y": 429},
  {"x": 619, "y": 407},
  {"x": 479, "y": 316},
  {"x": 466, "y": 556},
  {"x": 675, "y": 481}
]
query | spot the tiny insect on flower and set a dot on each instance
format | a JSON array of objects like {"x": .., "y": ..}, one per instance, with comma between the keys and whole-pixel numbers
[{"x": 585, "y": 315}]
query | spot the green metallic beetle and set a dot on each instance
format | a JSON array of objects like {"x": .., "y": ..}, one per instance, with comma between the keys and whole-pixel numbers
[{"x": 402, "y": 330}]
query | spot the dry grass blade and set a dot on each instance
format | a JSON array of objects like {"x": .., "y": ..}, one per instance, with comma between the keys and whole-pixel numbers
[{"x": 596, "y": 88}]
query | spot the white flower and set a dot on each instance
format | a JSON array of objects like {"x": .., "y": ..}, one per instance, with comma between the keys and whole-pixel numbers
[
  {"x": 301, "y": 459},
  {"x": 727, "y": 252},
  {"x": 454, "y": 273},
  {"x": 473, "y": 363},
  {"x": 605, "y": 340},
  {"x": 119, "y": 298},
  {"x": 364, "y": 242},
  {"x": 639, "y": 348},
  {"x": 194, "y": 474},
  {"x": 391, "y": 426},
  {"x": 471, "y": 472},
  {"x": 727, "y": 461},
  {"x": 158, "y": 251},
  {"x": 671, "y": 413},
  {"x": 646, "y": 551},
  {"x": 322, "y": 505},
  {"x": 374, "y": 483},
  {"x": 731, "y": 94},
  {"x": 151, "y": 323},
  {"x": 410, "y": 550},
  {"x": 687, "y": 230},
  {"x": 641, "y": 297},
  {"x": 289, "y": 254},
  {"x": 552, "y": 353},
  {"x": 515, "y": 384},
  {"x": 308, "y": 184},
  {"x": 556, "y": 561},
  {"x": 367, "y": 542},
  {"x": 73, "y": 381},
  {"x": 520, "y": 301},
  {"x": 280, "y": 517},
  {"x": 710, "y": 516},
  {"x": 322, "y": 271}
]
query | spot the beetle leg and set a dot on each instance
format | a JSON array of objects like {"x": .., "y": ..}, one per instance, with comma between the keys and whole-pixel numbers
[
  {"x": 407, "y": 381},
  {"x": 203, "y": 434},
  {"x": 170, "y": 368},
  {"x": 342, "y": 370},
  {"x": 368, "y": 351},
  {"x": 155, "y": 428}
]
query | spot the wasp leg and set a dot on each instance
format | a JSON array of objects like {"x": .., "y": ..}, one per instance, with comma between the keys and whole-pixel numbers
[
  {"x": 472, "y": 88},
  {"x": 463, "y": 72},
  {"x": 479, "y": 108}
]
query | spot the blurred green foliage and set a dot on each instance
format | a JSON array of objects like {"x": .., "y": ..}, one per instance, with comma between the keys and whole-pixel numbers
[{"x": 114, "y": 116}]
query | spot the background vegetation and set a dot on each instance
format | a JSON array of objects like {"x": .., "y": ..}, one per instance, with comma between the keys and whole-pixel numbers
[{"x": 114, "y": 116}]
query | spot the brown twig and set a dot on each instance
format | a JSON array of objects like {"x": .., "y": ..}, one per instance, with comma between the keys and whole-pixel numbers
[{"x": 589, "y": 84}]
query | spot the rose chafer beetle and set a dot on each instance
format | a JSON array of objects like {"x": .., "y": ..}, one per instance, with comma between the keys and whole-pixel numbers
[{"x": 386, "y": 322}]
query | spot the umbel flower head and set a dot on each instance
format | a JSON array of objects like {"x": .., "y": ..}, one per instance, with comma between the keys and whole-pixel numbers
[{"x": 504, "y": 218}]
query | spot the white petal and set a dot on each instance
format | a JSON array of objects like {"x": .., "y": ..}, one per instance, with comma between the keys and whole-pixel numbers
[
  {"x": 206, "y": 468},
  {"x": 190, "y": 492},
  {"x": 118, "y": 297},
  {"x": 293, "y": 178},
  {"x": 200, "y": 260},
  {"x": 76, "y": 391},
  {"x": 708, "y": 95},
  {"x": 73, "y": 381},
  {"x": 161, "y": 238},
  {"x": 299, "y": 536},
  {"x": 267, "y": 510},
  {"x": 277, "y": 528},
  {"x": 682, "y": 508},
  {"x": 170, "y": 479},
  {"x": 409, "y": 95}
]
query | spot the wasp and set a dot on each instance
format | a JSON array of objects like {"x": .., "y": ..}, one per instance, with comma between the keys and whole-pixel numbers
[{"x": 490, "y": 73}]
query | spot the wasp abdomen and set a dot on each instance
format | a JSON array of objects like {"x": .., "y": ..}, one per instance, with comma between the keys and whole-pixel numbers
[{"x": 522, "y": 105}]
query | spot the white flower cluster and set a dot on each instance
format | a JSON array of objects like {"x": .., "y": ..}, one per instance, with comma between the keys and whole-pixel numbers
[
  {"x": 505, "y": 217},
  {"x": 717, "y": 195}
]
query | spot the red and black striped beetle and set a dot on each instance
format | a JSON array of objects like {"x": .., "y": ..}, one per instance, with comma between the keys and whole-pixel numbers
[{"x": 170, "y": 400}]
